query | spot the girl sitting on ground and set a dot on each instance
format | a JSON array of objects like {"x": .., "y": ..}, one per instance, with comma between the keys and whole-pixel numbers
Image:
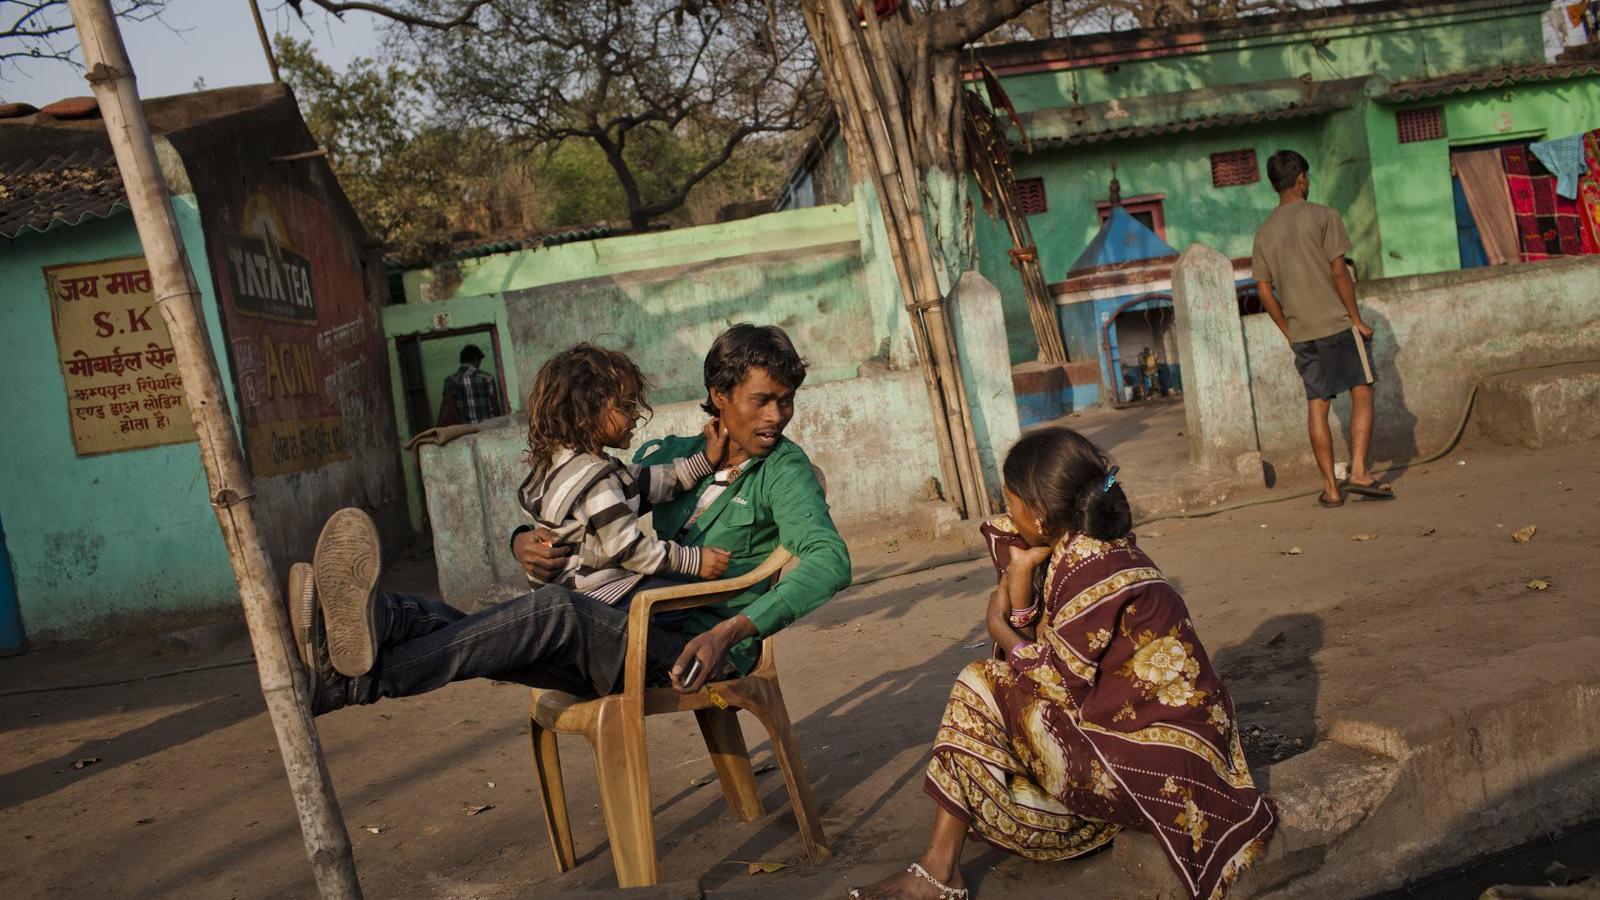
[
  {"x": 584, "y": 400},
  {"x": 1102, "y": 712}
]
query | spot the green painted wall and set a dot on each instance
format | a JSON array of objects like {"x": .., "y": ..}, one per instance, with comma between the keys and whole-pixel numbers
[
  {"x": 1177, "y": 166},
  {"x": 663, "y": 297},
  {"x": 1413, "y": 200},
  {"x": 1395, "y": 199},
  {"x": 97, "y": 537},
  {"x": 1404, "y": 44},
  {"x": 631, "y": 253}
]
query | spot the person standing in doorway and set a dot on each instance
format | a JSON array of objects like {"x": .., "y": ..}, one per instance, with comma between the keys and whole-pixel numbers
[
  {"x": 1152, "y": 371},
  {"x": 470, "y": 394},
  {"x": 1305, "y": 285}
]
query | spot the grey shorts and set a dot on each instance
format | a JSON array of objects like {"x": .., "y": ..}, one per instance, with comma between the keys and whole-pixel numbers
[{"x": 1331, "y": 365}]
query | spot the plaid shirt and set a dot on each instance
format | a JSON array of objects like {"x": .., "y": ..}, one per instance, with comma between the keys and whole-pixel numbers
[{"x": 476, "y": 395}]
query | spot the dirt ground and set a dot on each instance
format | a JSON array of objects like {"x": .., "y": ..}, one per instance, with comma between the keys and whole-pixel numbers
[{"x": 172, "y": 786}]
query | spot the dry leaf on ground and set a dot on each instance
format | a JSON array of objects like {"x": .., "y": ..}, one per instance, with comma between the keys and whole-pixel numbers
[
  {"x": 473, "y": 809},
  {"x": 1427, "y": 532},
  {"x": 756, "y": 868},
  {"x": 1524, "y": 534},
  {"x": 372, "y": 829},
  {"x": 1363, "y": 537},
  {"x": 1538, "y": 584},
  {"x": 1292, "y": 551}
]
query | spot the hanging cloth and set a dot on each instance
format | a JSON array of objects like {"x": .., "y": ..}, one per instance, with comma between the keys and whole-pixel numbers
[
  {"x": 1564, "y": 157},
  {"x": 1483, "y": 180}
]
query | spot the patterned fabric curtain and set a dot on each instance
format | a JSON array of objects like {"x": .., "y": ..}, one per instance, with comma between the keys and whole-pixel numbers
[
  {"x": 1589, "y": 189},
  {"x": 1548, "y": 224}
]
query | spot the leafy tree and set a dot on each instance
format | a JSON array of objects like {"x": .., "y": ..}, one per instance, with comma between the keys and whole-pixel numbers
[
  {"x": 400, "y": 171},
  {"x": 667, "y": 91}
]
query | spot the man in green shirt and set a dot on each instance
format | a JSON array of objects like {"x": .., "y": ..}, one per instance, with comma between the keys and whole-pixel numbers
[{"x": 361, "y": 644}]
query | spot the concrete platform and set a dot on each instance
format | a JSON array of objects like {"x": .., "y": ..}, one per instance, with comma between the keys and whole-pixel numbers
[
  {"x": 1442, "y": 708},
  {"x": 1542, "y": 407}
]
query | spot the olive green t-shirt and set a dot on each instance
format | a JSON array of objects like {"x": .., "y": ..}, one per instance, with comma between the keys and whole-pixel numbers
[{"x": 1293, "y": 251}]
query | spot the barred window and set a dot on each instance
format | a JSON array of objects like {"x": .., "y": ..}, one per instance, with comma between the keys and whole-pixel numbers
[
  {"x": 1425, "y": 124},
  {"x": 1234, "y": 167},
  {"x": 1030, "y": 191}
]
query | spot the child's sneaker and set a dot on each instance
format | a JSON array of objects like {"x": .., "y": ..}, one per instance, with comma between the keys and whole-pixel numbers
[{"x": 347, "y": 564}]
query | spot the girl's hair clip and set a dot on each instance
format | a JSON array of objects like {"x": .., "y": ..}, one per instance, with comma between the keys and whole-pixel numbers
[{"x": 1111, "y": 478}]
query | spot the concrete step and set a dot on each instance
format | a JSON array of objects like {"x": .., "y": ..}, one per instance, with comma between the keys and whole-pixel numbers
[{"x": 1541, "y": 407}]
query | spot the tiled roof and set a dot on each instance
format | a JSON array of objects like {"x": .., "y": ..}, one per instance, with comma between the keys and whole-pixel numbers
[
  {"x": 1425, "y": 88},
  {"x": 1221, "y": 106},
  {"x": 1226, "y": 120},
  {"x": 62, "y": 190}
]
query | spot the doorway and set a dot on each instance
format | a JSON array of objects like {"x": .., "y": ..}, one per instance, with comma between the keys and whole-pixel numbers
[
  {"x": 10, "y": 615},
  {"x": 1140, "y": 350},
  {"x": 427, "y": 359}
]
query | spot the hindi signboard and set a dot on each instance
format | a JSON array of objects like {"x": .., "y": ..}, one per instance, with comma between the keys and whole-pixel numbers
[{"x": 123, "y": 387}]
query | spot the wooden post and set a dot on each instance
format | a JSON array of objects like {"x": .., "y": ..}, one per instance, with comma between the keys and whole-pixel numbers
[{"x": 232, "y": 496}]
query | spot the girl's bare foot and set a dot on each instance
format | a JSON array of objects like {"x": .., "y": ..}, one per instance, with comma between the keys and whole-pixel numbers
[{"x": 909, "y": 885}]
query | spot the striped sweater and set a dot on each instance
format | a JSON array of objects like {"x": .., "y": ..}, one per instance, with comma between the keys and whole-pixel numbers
[{"x": 593, "y": 503}]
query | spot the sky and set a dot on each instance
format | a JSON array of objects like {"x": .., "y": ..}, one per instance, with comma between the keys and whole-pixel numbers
[{"x": 210, "y": 39}]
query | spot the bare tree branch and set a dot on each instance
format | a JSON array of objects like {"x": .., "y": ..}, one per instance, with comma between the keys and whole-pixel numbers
[
  {"x": 954, "y": 28},
  {"x": 42, "y": 29},
  {"x": 466, "y": 13}
]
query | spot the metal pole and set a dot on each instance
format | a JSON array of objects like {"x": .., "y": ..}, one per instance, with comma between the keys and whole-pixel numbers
[{"x": 231, "y": 492}]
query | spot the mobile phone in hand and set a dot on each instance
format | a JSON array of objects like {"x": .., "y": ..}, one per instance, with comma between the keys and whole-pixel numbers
[{"x": 691, "y": 673}]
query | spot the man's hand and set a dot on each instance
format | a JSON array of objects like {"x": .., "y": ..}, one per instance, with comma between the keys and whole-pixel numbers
[
  {"x": 711, "y": 648},
  {"x": 716, "y": 441},
  {"x": 539, "y": 553},
  {"x": 1364, "y": 328},
  {"x": 713, "y": 562}
]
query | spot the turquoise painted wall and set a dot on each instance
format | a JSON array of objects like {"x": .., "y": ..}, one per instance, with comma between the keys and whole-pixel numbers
[
  {"x": 1411, "y": 182},
  {"x": 92, "y": 538},
  {"x": 1397, "y": 45}
]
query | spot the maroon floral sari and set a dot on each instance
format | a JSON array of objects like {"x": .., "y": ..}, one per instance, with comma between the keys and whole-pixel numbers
[{"x": 1111, "y": 718}]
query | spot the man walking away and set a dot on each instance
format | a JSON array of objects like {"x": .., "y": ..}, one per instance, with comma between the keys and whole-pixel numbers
[
  {"x": 471, "y": 394},
  {"x": 1299, "y": 261}
]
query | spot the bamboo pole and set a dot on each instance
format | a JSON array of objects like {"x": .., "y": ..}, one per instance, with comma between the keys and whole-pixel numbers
[
  {"x": 864, "y": 163},
  {"x": 232, "y": 495},
  {"x": 881, "y": 113}
]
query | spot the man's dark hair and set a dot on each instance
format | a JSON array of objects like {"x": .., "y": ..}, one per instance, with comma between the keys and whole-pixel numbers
[
  {"x": 471, "y": 355},
  {"x": 1284, "y": 167},
  {"x": 744, "y": 347}
]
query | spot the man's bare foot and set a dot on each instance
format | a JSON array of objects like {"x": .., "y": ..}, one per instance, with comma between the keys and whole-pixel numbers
[{"x": 910, "y": 885}]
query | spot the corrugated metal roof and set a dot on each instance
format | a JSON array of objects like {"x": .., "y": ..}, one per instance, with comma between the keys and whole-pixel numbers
[
  {"x": 1224, "y": 120},
  {"x": 59, "y": 191},
  {"x": 1425, "y": 88}
]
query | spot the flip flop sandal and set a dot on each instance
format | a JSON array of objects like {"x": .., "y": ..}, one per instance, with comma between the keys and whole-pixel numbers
[
  {"x": 1377, "y": 490},
  {"x": 1325, "y": 503}
]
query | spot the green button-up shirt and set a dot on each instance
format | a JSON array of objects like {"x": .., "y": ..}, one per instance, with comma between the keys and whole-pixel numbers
[{"x": 775, "y": 500}]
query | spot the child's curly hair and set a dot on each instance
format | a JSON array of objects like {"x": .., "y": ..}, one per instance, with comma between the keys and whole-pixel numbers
[{"x": 571, "y": 395}]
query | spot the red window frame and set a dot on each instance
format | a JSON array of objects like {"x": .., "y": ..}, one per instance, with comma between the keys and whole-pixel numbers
[
  {"x": 1031, "y": 196},
  {"x": 1232, "y": 168},
  {"x": 1150, "y": 203},
  {"x": 1424, "y": 123}
]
